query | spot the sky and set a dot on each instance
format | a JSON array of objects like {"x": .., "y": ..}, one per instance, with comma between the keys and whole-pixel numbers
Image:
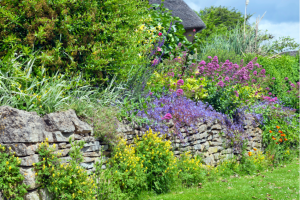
[{"x": 281, "y": 18}]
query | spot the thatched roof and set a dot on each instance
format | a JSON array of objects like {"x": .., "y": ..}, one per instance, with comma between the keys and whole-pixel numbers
[{"x": 190, "y": 20}]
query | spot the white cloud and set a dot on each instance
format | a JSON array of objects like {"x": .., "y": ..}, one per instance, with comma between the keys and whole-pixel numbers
[{"x": 278, "y": 30}]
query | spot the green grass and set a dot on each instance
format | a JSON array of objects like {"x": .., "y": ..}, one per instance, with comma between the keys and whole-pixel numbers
[{"x": 280, "y": 183}]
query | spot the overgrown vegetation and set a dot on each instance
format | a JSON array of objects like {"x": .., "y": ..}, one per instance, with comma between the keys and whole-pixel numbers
[{"x": 78, "y": 55}]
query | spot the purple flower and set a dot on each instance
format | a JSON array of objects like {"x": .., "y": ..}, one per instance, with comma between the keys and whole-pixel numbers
[
  {"x": 209, "y": 57},
  {"x": 267, "y": 88},
  {"x": 273, "y": 78},
  {"x": 221, "y": 84},
  {"x": 286, "y": 78},
  {"x": 270, "y": 93},
  {"x": 180, "y": 82},
  {"x": 150, "y": 93},
  {"x": 263, "y": 71},
  {"x": 255, "y": 73},
  {"x": 179, "y": 92},
  {"x": 293, "y": 85}
]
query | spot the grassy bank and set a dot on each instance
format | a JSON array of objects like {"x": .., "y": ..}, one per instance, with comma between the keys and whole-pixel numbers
[{"x": 280, "y": 183}]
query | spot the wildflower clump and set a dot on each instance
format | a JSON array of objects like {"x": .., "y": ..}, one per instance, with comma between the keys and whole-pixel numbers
[
  {"x": 157, "y": 160},
  {"x": 190, "y": 170},
  {"x": 67, "y": 180},
  {"x": 11, "y": 179},
  {"x": 127, "y": 169}
]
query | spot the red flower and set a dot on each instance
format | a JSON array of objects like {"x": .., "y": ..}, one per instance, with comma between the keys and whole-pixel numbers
[
  {"x": 273, "y": 138},
  {"x": 282, "y": 135},
  {"x": 280, "y": 132},
  {"x": 249, "y": 153},
  {"x": 276, "y": 142},
  {"x": 159, "y": 34},
  {"x": 280, "y": 140},
  {"x": 285, "y": 139},
  {"x": 277, "y": 127},
  {"x": 270, "y": 131}
]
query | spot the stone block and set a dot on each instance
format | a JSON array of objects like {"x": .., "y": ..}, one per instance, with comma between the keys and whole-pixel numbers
[
  {"x": 45, "y": 194},
  {"x": 65, "y": 122},
  {"x": 63, "y": 152},
  {"x": 62, "y": 145},
  {"x": 20, "y": 126},
  {"x": 91, "y": 154},
  {"x": 29, "y": 176},
  {"x": 202, "y": 128},
  {"x": 28, "y": 160},
  {"x": 209, "y": 160},
  {"x": 59, "y": 137},
  {"x": 65, "y": 159},
  {"x": 213, "y": 150},
  {"x": 197, "y": 147},
  {"x": 89, "y": 165},
  {"x": 32, "y": 195},
  {"x": 216, "y": 127},
  {"x": 20, "y": 149}
]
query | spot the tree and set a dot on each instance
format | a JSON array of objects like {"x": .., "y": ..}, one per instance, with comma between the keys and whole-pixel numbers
[
  {"x": 228, "y": 18},
  {"x": 220, "y": 20}
]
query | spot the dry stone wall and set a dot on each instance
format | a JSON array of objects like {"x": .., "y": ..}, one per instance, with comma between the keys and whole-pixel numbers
[{"x": 24, "y": 131}]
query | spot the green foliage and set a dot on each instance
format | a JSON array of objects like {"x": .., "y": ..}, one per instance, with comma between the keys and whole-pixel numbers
[
  {"x": 87, "y": 36},
  {"x": 276, "y": 115},
  {"x": 63, "y": 180},
  {"x": 190, "y": 170},
  {"x": 278, "y": 151},
  {"x": 162, "y": 16},
  {"x": 280, "y": 68},
  {"x": 126, "y": 167},
  {"x": 11, "y": 185},
  {"x": 207, "y": 35},
  {"x": 226, "y": 17}
]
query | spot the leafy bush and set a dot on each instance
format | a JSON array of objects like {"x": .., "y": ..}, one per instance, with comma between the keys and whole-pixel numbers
[
  {"x": 275, "y": 114},
  {"x": 87, "y": 36},
  {"x": 191, "y": 171},
  {"x": 278, "y": 150},
  {"x": 63, "y": 180},
  {"x": 283, "y": 78},
  {"x": 11, "y": 185}
]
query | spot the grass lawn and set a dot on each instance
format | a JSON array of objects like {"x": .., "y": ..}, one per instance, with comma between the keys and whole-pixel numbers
[{"x": 281, "y": 183}]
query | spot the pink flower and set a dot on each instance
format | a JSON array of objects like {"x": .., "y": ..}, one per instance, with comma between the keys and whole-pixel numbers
[
  {"x": 286, "y": 78},
  {"x": 293, "y": 85},
  {"x": 150, "y": 93},
  {"x": 236, "y": 93},
  {"x": 227, "y": 79},
  {"x": 180, "y": 82},
  {"x": 273, "y": 78},
  {"x": 221, "y": 84},
  {"x": 159, "y": 34},
  {"x": 168, "y": 116},
  {"x": 194, "y": 30},
  {"x": 158, "y": 49},
  {"x": 179, "y": 92},
  {"x": 270, "y": 93},
  {"x": 209, "y": 57},
  {"x": 192, "y": 76}
]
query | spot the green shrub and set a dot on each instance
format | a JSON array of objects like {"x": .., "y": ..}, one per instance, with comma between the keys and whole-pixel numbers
[
  {"x": 11, "y": 185},
  {"x": 191, "y": 171},
  {"x": 68, "y": 181},
  {"x": 281, "y": 68},
  {"x": 80, "y": 36}
]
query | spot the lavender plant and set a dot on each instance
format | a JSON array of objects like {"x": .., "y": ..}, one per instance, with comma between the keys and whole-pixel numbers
[{"x": 183, "y": 111}]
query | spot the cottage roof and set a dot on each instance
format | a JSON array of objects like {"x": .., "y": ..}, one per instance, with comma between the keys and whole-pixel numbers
[{"x": 190, "y": 20}]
